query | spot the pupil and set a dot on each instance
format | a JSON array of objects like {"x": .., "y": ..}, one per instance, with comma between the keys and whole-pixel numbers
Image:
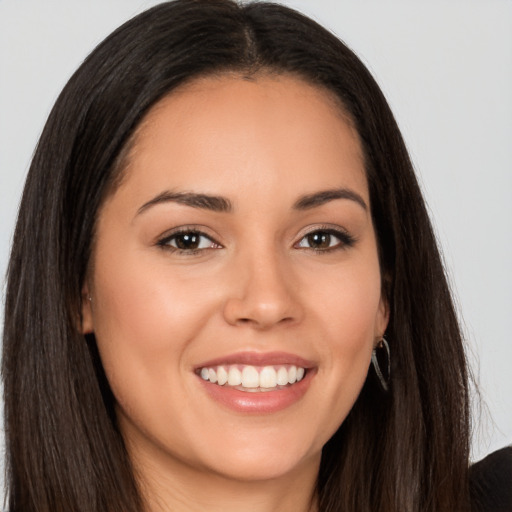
[
  {"x": 187, "y": 241},
  {"x": 319, "y": 240}
]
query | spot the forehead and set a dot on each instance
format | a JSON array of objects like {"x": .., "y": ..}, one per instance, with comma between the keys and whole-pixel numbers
[{"x": 229, "y": 129}]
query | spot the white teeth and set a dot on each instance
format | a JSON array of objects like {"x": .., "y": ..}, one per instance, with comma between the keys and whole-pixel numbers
[
  {"x": 253, "y": 378},
  {"x": 222, "y": 375},
  {"x": 250, "y": 377},
  {"x": 282, "y": 376},
  {"x": 292, "y": 375},
  {"x": 268, "y": 377},
  {"x": 212, "y": 376},
  {"x": 234, "y": 376}
]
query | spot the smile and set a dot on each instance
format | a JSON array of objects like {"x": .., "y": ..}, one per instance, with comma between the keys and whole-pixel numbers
[
  {"x": 256, "y": 383},
  {"x": 253, "y": 378}
]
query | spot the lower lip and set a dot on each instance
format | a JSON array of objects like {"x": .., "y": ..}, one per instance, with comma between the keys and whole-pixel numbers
[{"x": 264, "y": 402}]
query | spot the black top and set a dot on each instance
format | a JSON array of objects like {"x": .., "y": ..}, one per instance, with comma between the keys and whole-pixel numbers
[{"x": 491, "y": 482}]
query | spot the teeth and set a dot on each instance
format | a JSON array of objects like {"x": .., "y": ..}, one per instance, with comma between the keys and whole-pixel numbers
[
  {"x": 234, "y": 376},
  {"x": 282, "y": 376},
  {"x": 253, "y": 378},
  {"x": 222, "y": 375},
  {"x": 212, "y": 376},
  {"x": 292, "y": 375},
  {"x": 268, "y": 377},
  {"x": 250, "y": 377}
]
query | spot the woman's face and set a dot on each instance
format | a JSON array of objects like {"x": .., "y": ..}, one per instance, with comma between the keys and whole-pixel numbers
[{"x": 239, "y": 247}]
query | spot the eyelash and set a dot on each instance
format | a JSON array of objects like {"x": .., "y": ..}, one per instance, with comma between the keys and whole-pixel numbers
[
  {"x": 164, "y": 243},
  {"x": 345, "y": 240}
]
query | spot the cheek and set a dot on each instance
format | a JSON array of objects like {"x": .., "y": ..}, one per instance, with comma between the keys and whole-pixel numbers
[
  {"x": 347, "y": 313},
  {"x": 347, "y": 304},
  {"x": 143, "y": 320},
  {"x": 137, "y": 299}
]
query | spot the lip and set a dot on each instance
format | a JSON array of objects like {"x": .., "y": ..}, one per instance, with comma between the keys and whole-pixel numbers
[
  {"x": 259, "y": 402},
  {"x": 258, "y": 359}
]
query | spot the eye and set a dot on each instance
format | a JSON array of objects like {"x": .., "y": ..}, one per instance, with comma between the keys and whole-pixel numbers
[
  {"x": 188, "y": 241},
  {"x": 324, "y": 240}
]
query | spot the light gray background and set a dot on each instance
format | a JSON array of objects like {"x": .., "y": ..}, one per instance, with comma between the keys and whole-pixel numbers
[{"x": 446, "y": 69}]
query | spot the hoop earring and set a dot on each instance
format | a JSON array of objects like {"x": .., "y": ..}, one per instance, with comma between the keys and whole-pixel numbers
[{"x": 383, "y": 348}]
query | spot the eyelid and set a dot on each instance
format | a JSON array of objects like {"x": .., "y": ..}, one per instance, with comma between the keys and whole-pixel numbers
[
  {"x": 345, "y": 237},
  {"x": 163, "y": 239},
  {"x": 312, "y": 228}
]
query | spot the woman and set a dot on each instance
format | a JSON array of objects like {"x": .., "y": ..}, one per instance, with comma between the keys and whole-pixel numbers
[{"x": 231, "y": 225}]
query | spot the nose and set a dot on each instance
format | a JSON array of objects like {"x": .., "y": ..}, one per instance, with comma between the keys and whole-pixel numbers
[{"x": 264, "y": 293}]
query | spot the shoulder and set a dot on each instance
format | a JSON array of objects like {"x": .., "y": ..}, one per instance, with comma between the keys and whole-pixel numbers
[{"x": 491, "y": 482}]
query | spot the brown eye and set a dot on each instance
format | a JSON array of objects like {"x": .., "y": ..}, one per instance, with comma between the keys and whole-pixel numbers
[
  {"x": 188, "y": 241},
  {"x": 319, "y": 240},
  {"x": 325, "y": 240}
]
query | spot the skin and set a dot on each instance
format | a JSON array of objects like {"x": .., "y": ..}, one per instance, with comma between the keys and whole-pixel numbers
[{"x": 258, "y": 285}]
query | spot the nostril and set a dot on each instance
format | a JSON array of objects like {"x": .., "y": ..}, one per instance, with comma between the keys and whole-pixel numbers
[{"x": 261, "y": 312}]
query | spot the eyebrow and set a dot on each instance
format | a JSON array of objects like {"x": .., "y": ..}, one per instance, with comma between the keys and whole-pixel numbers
[
  {"x": 310, "y": 201},
  {"x": 224, "y": 205},
  {"x": 203, "y": 201}
]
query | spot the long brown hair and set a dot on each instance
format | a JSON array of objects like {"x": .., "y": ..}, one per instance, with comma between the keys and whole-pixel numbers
[{"x": 405, "y": 450}]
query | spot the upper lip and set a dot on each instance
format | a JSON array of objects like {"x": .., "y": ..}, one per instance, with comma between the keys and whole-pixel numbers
[{"x": 258, "y": 359}]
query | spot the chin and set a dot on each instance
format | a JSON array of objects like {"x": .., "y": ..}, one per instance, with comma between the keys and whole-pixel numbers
[
  {"x": 260, "y": 468},
  {"x": 263, "y": 457}
]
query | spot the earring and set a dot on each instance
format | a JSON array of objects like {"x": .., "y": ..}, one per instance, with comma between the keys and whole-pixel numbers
[{"x": 382, "y": 349}]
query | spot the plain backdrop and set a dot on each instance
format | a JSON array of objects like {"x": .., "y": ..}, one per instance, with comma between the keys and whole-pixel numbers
[{"x": 446, "y": 69}]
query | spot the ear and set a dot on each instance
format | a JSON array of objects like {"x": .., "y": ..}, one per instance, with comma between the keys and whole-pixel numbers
[
  {"x": 86, "y": 320},
  {"x": 382, "y": 318}
]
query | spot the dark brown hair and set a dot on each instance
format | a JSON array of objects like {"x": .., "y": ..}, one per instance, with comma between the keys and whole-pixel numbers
[{"x": 406, "y": 450}]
